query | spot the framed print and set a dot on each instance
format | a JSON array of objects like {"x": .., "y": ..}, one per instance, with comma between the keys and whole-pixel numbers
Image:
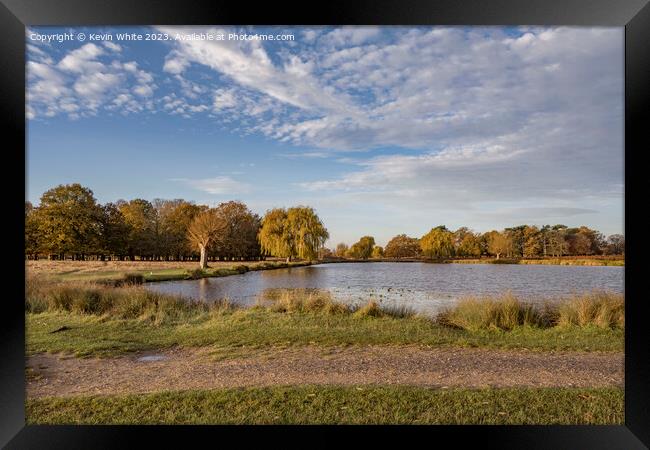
[{"x": 393, "y": 219}]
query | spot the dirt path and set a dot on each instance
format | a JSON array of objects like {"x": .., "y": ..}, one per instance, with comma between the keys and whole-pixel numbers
[{"x": 180, "y": 369}]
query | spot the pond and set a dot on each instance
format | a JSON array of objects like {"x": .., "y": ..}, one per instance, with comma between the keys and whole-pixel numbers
[{"x": 424, "y": 287}]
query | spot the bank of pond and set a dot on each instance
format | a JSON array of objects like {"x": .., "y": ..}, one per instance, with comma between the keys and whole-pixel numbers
[{"x": 425, "y": 288}]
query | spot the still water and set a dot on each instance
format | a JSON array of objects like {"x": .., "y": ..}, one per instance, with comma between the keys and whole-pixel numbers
[{"x": 425, "y": 288}]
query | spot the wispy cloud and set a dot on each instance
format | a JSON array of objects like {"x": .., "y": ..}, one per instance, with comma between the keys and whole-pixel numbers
[
  {"x": 220, "y": 185},
  {"x": 434, "y": 121}
]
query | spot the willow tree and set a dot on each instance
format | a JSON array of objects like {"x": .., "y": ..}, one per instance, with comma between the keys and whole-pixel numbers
[
  {"x": 202, "y": 231},
  {"x": 294, "y": 232},
  {"x": 362, "y": 249},
  {"x": 437, "y": 243},
  {"x": 309, "y": 233}
]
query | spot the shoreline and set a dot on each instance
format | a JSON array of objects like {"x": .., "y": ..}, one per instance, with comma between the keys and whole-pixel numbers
[
  {"x": 112, "y": 271},
  {"x": 521, "y": 261}
]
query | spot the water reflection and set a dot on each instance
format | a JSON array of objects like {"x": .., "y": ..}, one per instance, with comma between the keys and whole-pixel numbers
[{"x": 423, "y": 287}]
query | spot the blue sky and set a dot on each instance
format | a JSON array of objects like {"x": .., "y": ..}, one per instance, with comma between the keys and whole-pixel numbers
[{"x": 383, "y": 130}]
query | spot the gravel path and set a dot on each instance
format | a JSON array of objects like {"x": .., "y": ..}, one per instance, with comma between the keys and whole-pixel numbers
[{"x": 181, "y": 369}]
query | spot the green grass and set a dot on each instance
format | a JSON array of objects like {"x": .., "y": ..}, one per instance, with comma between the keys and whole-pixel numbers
[
  {"x": 339, "y": 405},
  {"x": 237, "y": 330},
  {"x": 96, "y": 319},
  {"x": 169, "y": 274}
]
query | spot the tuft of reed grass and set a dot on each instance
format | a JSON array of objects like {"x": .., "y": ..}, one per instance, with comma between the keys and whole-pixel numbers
[
  {"x": 506, "y": 312},
  {"x": 370, "y": 309},
  {"x": 123, "y": 302},
  {"x": 321, "y": 302},
  {"x": 598, "y": 309},
  {"x": 302, "y": 300},
  {"x": 601, "y": 309},
  {"x": 475, "y": 313}
]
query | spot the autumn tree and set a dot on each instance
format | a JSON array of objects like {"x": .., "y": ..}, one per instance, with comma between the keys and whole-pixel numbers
[
  {"x": 517, "y": 236},
  {"x": 32, "y": 244},
  {"x": 557, "y": 243},
  {"x": 275, "y": 236},
  {"x": 69, "y": 221},
  {"x": 402, "y": 246},
  {"x": 294, "y": 232},
  {"x": 362, "y": 249},
  {"x": 238, "y": 236},
  {"x": 437, "y": 243},
  {"x": 202, "y": 231},
  {"x": 499, "y": 243},
  {"x": 533, "y": 245},
  {"x": 466, "y": 243},
  {"x": 308, "y": 231},
  {"x": 174, "y": 218},
  {"x": 325, "y": 253},
  {"x": 584, "y": 241},
  {"x": 578, "y": 244},
  {"x": 615, "y": 244},
  {"x": 377, "y": 252},
  {"x": 341, "y": 250},
  {"x": 140, "y": 216},
  {"x": 114, "y": 231}
]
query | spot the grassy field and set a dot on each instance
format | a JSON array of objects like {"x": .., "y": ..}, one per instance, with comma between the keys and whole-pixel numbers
[
  {"x": 234, "y": 333},
  {"x": 339, "y": 405},
  {"x": 94, "y": 319},
  {"x": 102, "y": 321},
  {"x": 104, "y": 271}
]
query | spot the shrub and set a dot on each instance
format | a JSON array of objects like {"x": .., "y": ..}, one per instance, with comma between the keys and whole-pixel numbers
[
  {"x": 242, "y": 268},
  {"x": 196, "y": 274}
]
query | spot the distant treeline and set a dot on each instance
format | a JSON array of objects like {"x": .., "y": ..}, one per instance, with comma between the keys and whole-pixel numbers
[
  {"x": 70, "y": 223},
  {"x": 524, "y": 241}
]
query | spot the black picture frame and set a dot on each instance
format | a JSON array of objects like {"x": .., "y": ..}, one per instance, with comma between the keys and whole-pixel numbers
[{"x": 634, "y": 15}]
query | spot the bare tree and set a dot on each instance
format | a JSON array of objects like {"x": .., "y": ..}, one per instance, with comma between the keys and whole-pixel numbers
[{"x": 202, "y": 231}]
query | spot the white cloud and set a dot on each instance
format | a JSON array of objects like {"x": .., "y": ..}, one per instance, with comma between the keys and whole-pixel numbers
[
  {"x": 353, "y": 35},
  {"x": 143, "y": 90},
  {"x": 83, "y": 81},
  {"x": 217, "y": 185},
  {"x": 224, "y": 98},
  {"x": 460, "y": 115},
  {"x": 82, "y": 59},
  {"x": 112, "y": 46},
  {"x": 175, "y": 63},
  {"x": 248, "y": 64}
]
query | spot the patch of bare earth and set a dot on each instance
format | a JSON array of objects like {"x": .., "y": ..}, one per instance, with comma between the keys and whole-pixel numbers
[{"x": 181, "y": 369}]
